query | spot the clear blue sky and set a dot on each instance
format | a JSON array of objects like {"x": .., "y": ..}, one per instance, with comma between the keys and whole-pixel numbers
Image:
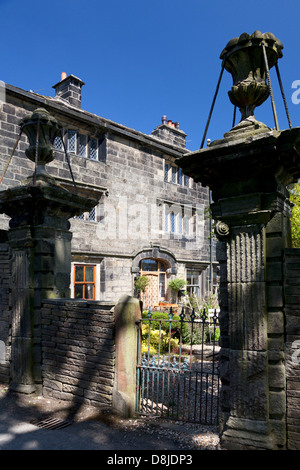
[{"x": 143, "y": 59}]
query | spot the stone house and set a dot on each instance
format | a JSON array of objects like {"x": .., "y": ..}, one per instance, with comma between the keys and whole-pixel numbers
[{"x": 151, "y": 219}]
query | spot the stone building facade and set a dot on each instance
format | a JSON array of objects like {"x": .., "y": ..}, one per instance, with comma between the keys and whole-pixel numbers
[{"x": 151, "y": 218}]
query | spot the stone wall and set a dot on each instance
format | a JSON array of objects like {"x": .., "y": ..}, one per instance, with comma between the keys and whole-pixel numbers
[
  {"x": 78, "y": 351},
  {"x": 292, "y": 322},
  {"x": 5, "y": 311}
]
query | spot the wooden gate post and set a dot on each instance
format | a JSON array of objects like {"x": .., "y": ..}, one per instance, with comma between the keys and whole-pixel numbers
[{"x": 127, "y": 312}]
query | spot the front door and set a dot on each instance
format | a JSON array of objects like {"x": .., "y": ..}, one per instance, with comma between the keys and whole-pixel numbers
[{"x": 155, "y": 292}]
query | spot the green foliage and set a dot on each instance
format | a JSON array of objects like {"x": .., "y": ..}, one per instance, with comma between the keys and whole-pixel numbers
[
  {"x": 295, "y": 217},
  {"x": 157, "y": 337},
  {"x": 141, "y": 283},
  {"x": 177, "y": 284},
  {"x": 165, "y": 325}
]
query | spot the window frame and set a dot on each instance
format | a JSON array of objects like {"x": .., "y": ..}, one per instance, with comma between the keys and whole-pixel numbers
[
  {"x": 176, "y": 221},
  {"x": 84, "y": 283}
]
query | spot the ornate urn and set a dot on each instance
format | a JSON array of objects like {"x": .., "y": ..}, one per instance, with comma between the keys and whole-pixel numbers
[
  {"x": 41, "y": 129},
  {"x": 245, "y": 58}
]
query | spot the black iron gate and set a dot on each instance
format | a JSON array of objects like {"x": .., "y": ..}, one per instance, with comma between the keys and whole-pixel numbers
[{"x": 177, "y": 366}]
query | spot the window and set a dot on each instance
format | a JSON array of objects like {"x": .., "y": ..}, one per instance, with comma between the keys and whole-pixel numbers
[
  {"x": 173, "y": 174},
  {"x": 84, "y": 281},
  {"x": 79, "y": 144},
  {"x": 82, "y": 145},
  {"x": 92, "y": 215},
  {"x": 193, "y": 283},
  {"x": 149, "y": 265},
  {"x": 179, "y": 219},
  {"x": 166, "y": 175},
  {"x": 72, "y": 137},
  {"x": 197, "y": 282},
  {"x": 58, "y": 143},
  {"x": 93, "y": 148},
  {"x": 180, "y": 176},
  {"x": 88, "y": 216}
]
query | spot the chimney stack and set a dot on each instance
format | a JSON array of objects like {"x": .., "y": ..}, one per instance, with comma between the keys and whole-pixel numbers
[
  {"x": 69, "y": 89},
  {"x": 169, "y": 132}
]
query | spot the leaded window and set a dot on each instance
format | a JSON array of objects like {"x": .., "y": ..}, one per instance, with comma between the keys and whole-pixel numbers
[
  {"x": 93, "y": 148},
  {"x": 72, "y": 136},
  {"x": 166, "y": 175},
  {"x": 82, "y": 145},
  {"x": 92, "y": 215},
  {"x": 58, "y": 143},
  {"x": 174, "y": 174}
]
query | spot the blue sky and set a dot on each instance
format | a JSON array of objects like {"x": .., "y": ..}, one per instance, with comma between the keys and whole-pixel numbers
[{"x": 143, "y": 59}]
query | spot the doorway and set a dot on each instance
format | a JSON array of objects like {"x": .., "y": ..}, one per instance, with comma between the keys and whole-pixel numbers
[{"x": 155, "y": 271}]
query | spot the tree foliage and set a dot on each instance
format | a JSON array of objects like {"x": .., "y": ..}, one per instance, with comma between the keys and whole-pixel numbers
[{"x": 295, "y": 217}]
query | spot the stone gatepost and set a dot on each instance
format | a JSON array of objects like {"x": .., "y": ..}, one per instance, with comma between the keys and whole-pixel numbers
[
  {"x": 128, "y": 312},
  {"x": 248, "y": 171},
  {"x": 40, "y": 242}
]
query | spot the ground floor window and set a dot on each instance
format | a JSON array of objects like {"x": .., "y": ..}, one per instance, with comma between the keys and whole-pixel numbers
[
  {"x": 84, "y": 281},
  {"x": 196, "y": 283}
]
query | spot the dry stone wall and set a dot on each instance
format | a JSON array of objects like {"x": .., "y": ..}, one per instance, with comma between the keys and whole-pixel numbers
[{"x": 78, "y": 351}]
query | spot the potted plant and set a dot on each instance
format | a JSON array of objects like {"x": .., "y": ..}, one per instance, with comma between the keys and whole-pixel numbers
[
  {"x": 141, "y": 283},
  {"x": 177, "y": 285}
]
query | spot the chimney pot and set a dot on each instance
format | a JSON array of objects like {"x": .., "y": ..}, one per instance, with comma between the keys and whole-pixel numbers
[
  {"x": 164, "y": 119},
  {"x": 63, "y": 76}
]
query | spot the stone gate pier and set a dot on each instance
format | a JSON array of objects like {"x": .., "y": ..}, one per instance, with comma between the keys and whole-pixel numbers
[
  {"x": 39, "y": 238},
  {"x": 248, "y": 171}
]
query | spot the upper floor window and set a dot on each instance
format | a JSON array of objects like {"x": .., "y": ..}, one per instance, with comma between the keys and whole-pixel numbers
[
  {"x": 58, "y": 143},
  {"x": 79, "y": 144},
  {"x": 88, "y": 216},
  {"x": 93, "y": 149},
  {"x": 178, "y": 219},
  {"x": 173, "y": 174},
  {"x": 72, "y": 138},
  {"x": 82, "y": 145}
]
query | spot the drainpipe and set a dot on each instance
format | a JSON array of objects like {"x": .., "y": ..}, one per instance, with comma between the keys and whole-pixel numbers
[{"x": 211, "y": 246}]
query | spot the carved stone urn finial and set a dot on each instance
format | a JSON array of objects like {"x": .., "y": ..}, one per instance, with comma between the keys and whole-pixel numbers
[
  {"x": 41, "y": 129},
  {"x": 244, "y": 58}
]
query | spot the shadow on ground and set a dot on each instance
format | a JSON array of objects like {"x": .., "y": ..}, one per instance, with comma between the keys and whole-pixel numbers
[{"x": 91, "y": 429}]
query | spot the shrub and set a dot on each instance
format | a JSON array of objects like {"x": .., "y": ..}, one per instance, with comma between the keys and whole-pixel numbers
[
  {"x": 165, "y": 325},
  {"x": 154, "y": 341}
]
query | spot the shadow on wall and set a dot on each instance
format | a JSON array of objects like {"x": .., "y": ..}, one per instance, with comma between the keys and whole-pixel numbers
[{"x": 89, "y": 354}]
